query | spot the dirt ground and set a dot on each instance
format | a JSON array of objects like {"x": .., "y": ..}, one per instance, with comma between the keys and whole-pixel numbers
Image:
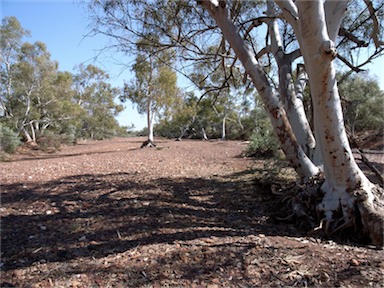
[{"x": 184, "y": 214}]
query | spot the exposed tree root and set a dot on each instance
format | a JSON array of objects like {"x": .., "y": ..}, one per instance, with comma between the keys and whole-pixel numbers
[
  {"x": 300, "y": 205},
  {"x": 148, "y": 144},
  {"x": 372, "y": 215}
]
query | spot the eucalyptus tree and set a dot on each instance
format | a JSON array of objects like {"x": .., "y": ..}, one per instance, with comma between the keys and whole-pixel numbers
[
  {"x": 10, "y": 45},
  {"x": 32, "y": 97},
  {"x": 154, "y": 87},
  {"x": 311, "y": 32},
  {"x": 362, "y": 102},
  {"x": 221, "y": 85},
  {"x": 95, "y": 100}
]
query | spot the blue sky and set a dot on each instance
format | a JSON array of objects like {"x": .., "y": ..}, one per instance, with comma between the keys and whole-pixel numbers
[{"x": 63, "y": 25}]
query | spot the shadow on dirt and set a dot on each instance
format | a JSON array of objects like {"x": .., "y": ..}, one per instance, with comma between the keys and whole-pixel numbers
[
  {"x": 98, "y": 215},
  {"x": 41, "y": 156}
]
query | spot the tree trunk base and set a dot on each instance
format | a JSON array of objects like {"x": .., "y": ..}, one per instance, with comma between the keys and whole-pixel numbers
[
  {"x": 362, "y": 222},
  {"x": 148, "y": 144}
]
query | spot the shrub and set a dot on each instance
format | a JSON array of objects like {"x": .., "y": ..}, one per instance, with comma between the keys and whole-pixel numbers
[
  {"x": 9, "y": 140},
  {"x": 49, "y": 142},
  {"x": 69, "y": 135},
  {"x": 263, "y": 142}
]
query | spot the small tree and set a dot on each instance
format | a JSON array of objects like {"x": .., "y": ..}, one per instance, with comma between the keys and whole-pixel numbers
[{"x": 153, "y": 89}]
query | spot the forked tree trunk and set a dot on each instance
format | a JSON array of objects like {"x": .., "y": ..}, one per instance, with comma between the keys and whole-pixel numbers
[
  {"x": 150, "y": 117},
  {"x": 346, "y": 187},
  {"x": 26, "y": 135},
  {"x": 276, "y": 112},
  {"x": 291, "y": 92}
]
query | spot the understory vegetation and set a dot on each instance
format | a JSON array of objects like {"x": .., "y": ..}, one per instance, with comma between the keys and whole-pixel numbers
[{"x": 47, "y": 107}]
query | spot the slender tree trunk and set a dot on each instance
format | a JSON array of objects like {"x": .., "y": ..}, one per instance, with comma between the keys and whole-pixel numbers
[
  {"x": 223, "y": 136},
  {"x": 150, "y": 128},
  {"x": 33, "y": 132},
  {"x": 149, "y": 121},
  {"x": 203, "y": 134}
]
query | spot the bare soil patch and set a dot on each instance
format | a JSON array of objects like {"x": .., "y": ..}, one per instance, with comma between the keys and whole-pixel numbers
[{"x": 183, "y": 214}]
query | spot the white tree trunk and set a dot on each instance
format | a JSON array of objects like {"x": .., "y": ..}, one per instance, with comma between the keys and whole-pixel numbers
[
  {"x": 294, "y": 153},
  {"x": 345, "y": 185},
  {"x": 26, "y": 135},
  {"x": 203, "y": 134},
  {"x": 33, "y": 131},
  {"x": 289, "y": 91},
  {"x": 223, "y": 136},
  {"x": 150, "y": 116}
]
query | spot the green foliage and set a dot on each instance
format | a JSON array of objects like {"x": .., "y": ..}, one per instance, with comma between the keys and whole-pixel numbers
[
  {"x": 154, "y": 89},
  {"x": 48, "y": 106},
  {"x": 50, "y": 142},
  {"x": 167, "y": 129},
  {"x": 263, "y": 142},
  {"x": 69, "y": 135},
  {"x": 9, "y": 140},
  {"x": 363, "y": 103}
]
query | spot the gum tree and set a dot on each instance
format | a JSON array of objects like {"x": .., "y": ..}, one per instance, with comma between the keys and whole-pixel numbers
[
  {"x": 153, "y": 88},
  {"x": 311, "y": 32},
  {"x": 316, "y": 25}
]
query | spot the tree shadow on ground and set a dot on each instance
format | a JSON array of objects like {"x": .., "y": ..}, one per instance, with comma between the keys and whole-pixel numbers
[
  {"x": 98, "y": 215},
  {"x": 104, "y": 230}
]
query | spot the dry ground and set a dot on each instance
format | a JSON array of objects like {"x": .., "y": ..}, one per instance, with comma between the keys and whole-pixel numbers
[{"x": 185, "y": 214}]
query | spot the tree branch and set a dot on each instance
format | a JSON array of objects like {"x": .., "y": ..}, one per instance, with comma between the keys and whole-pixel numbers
[
  {"x": 334, "y": 11},
  {"x": 376, "y": 29},
  {"x": 349, "y": 64},
  {"x": 360, "y": 43}
]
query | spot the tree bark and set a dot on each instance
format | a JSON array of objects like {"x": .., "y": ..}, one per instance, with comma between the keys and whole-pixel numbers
[
  {"x": 223, "y": 136},
  {"x": 26, "y": 135},
  {"x": 294, "y": 153},
  {"x": 203, "y": 134},
  {"x": 150, "y": 121},
  {"x": 345, "y": 186},
  {"x": 288, "y": 89}
]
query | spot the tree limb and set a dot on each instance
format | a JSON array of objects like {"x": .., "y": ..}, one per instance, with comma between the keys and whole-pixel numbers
[
  {"x": 376, "y": 29},
  {"x": 360, "y": 43},
  {"x": 349, "y": 64}
]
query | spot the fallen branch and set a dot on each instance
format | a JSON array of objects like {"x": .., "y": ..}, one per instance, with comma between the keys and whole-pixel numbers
[{"x": 371, "y": 166}]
